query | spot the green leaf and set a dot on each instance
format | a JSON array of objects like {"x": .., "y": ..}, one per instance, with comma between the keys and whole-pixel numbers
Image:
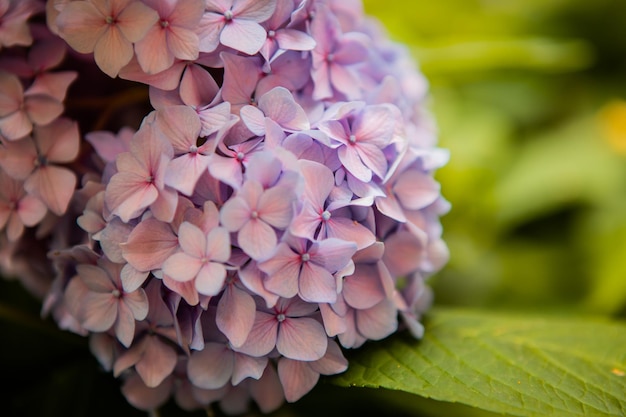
[{"x": 520, "y": 365}]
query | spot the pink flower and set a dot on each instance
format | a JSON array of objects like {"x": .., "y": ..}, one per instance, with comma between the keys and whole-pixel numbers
[
  {"x": 35, "y": 160},
  {"x": 334, "y": 55},
  {"x": 96, "y": 297},
  {"x": 254, "y": 213},
  {"x": 289, "y": 327},
  {"x": 360, "y": 137},
  {"x": 172, "y": 36},
  {"x": 20, "y": 110},
  {"x": 18, "y": 209},
  {"x": 306, "y": 268},
  {"x": 13, "y": 27},
  {"x": 235, "y": 23},
  {"x": 139, "y": 182},
  {"x": 201, "y": 258},
  {"x": 281, "y": 37},
  {"x": 108, "y": 28}
]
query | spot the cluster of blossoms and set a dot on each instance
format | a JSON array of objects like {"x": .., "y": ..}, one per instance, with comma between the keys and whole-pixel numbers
[{"x": 267, "y": 202}]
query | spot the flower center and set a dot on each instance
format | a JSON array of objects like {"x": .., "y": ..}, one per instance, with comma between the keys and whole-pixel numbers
[
  {"x": 193, "y": 149},
  {"x": 240, "y": 155},
  {"x": 326, "y": 215},
  {"x": 271, "y": 33},
  {"x": 116, "y": 293},
  {"x": 281, "y": 317},
  {"x": 110, "y": 20},
  {"x": 352, "y": 139},
  {"x": 150, "y": 179},
  {"x": 164, "y": 24},
  {"x": 228, "y": 15},
  {"x": 254, "y": 214},
  {"x": 40, "y": 161},
  {"x": 330, "y": 57},
  {"x": 305, "y": 257}
]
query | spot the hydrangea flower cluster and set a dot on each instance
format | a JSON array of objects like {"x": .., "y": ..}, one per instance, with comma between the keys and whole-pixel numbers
[{"x": 266, "y": 203}]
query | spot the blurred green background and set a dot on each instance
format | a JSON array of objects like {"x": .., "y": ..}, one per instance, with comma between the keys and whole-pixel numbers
[{"x": 529, "y": 97}]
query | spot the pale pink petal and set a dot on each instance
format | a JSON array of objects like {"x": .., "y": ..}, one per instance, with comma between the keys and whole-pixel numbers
[
  {"x": 15, "y": 126},
  {"x": 149, "y": 244},
  {"x": 257, "y": 239},
  {"x": 208, "y": 30},
  {"x": 235, "y": 314},
  {"x": 252, "y": 278},
  {"x": 31, "y": 210},
  {"x": 297, "y": 378},
  {"x": 212, "y": 367},
  {"x": 211, "y": 278},
  {"x": 347, "y": 229},
  {"x": 349, "y": 157},
  {"x": 182, "y": 267},
  {"x": 378, "y": 322},
  {"x": 53, "y": 84},
  {"x": 184, "y": 172},
  {"x": 257, "y": 10},
  {"x": 316, "y": 284},
  {"x": 333, "y": 361},
  {"x": 81, "y": 25},
  {"x": 267, "y": 391},
  {"x": 254, "y": 119},
  {"x": 143, "y": 397},
  {"x": 11, "y": 93},
  {"x": 137, "y": 302},
  {"x": 218, "y": 244},
  {"x": 135, "y": 20},
  {"x": 192, "y": 240},
  {"x": 294, "y": 40},
  {"x": 164, "y": 207},
  {"x": 59, "y": 141},
  {"x": 98, "y": 312},
  {"x": 132, "y": 278},
  {"x": 373, "y": 157},
  {"x": 345, "y": 81},
  {"x": 17, "y": 158},
  {"x": 416, "y": 190},
  {"x": 128, "y": 195},
  {"x": 276, "y": 206},
  {"x": 334, "y": 324},
  {"x": 183, "y": 43},
  {"x": 125, "y": 325},
  {"x": 363, "y": 289},
  {"x": 333, "y": 254},
  {"x": 243, "y": 35},
  {"x": 279, "y": 105},
  {"x": 14, "y": 227},
  {"x": 262, "y": 337},
  {"x": 187, "y": 13},
  {"x": 53, "y": 185},
  {"x": 197, "y": 86},
  {"x": 403, "y": 253},
  {"x": 152, "y": 52},
  {"x": 235, "y": 213},
  {"x": 282, "y": 269},
  {"x": 375, "y": 124},
  {"x": 301, "y": 339},
  {"x": 95, "y": 278},
  {"x": 112, "y": 51},
  {"x": 181, "y": 126},
  {"x": 158, "y": 362},
  {"x": 248, "y": 367}
]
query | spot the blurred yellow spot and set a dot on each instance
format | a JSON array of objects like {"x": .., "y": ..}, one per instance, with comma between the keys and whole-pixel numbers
[
  {"x": 618, "y": 372},
  {"x": 613, "y": 123}
]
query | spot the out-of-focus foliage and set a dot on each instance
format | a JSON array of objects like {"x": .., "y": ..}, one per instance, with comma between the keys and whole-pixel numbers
[{"x": 529, "y": 97}]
